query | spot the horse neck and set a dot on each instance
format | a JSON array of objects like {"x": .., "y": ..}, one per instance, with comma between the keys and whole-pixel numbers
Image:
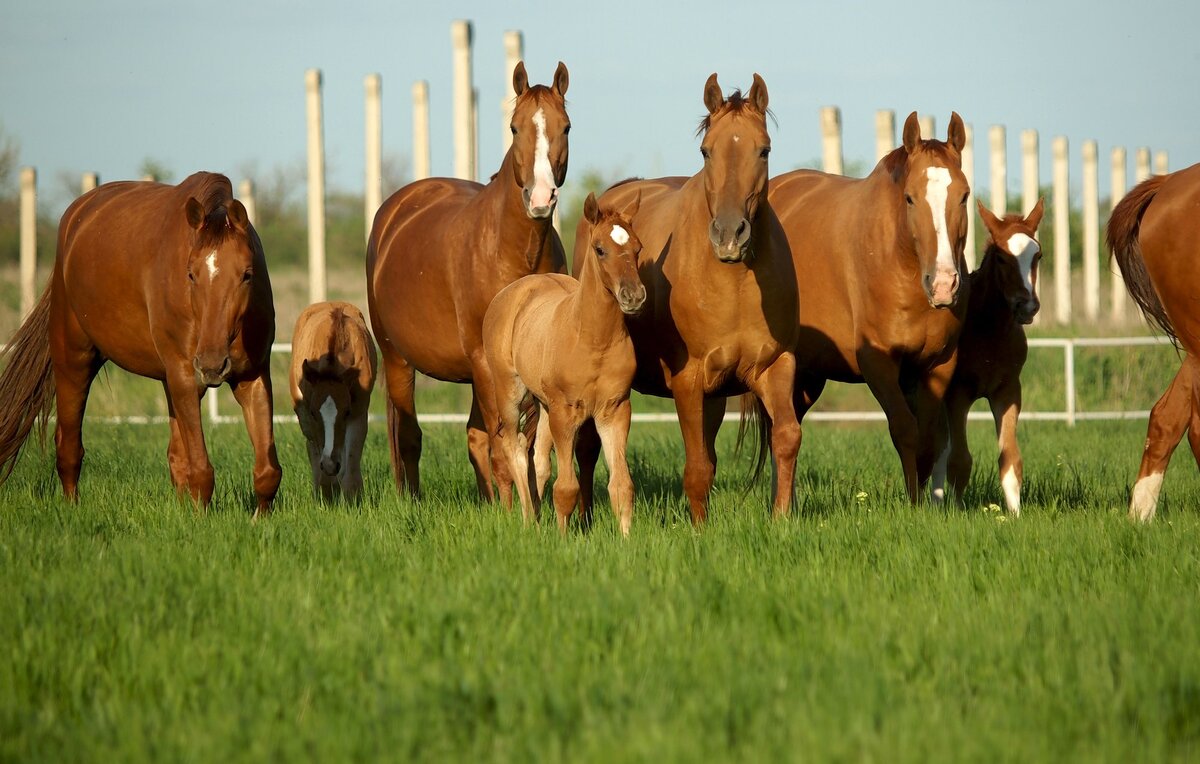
[
  {"x": 985, "y": 299},
  {"x": 597, "y": 316},
  {"x": 523, "y": 235}
]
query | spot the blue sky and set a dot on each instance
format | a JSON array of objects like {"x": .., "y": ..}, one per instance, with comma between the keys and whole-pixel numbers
[{"x": 101, "y": 86}]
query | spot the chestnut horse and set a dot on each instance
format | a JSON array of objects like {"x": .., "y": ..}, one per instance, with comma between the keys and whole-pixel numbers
[
  {"x": 1152, "y": 235},
  {"x": 565, "y": 343},
  {"x": 167, "y": 282},
  {"x": 440, "y": 250},
  {"x": 331, "y": 378},
  {"x": 879, "y": 264},
  {"x": 722, "y": 297},
  {"x": 992, "y": 350}
]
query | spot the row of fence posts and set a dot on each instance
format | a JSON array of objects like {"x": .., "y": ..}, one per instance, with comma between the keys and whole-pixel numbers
[{"x": 466, "y": 156}]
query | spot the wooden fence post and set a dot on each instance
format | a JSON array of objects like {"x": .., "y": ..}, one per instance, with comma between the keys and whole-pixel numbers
[
  {"x": 1062, "y": 231},
  {"x": 421, "y": 158},
  {"x": 373, "y": 175},
  {"x": 928, "y": 126},
  {"x": 998, "y": 140},
  {"x": 464, "y": 97},
  {"x": 514, "y": 51},
  {"x": 28, "y": 247},
  {"x": 831, "y": 140},
  {"x": 1091, "y": 232},
  {"x": 1141, "y": 165},
  {"x": 1160, "y": 162},
  {"x": 1030, "y": 171},
  {"x": 246, "y": 196},
  {"x": 968, "y": 168},
  {"x": 88, "y": 182},
  {"x": 1117, "y": 190},
  {"x": 316, "y": 188},
  {"x": 885, "y": 133}
]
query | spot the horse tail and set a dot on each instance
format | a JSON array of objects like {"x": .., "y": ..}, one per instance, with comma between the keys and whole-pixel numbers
[
  {"x": 393, "y": 428},
  {"x": 26, "y": 385},
  {"x": 756, "y": 424},
  {"x": 1124, "y": 227}
]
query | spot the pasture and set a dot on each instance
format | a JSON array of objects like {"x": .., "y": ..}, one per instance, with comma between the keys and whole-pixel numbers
[{"x": 861, "y": 628}]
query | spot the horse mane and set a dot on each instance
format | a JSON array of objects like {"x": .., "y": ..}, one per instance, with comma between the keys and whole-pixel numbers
[{"x": 736, "y": 103}]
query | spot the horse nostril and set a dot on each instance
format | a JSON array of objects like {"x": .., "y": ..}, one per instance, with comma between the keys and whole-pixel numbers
[{"x": 226, "y": 366}]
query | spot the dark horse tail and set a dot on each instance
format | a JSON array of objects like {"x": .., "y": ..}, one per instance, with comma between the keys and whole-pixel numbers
[
  {"x": 26, "y": 385},
  {"x": 1123, "y": 229},
  {"x": 757, "y": 424}
]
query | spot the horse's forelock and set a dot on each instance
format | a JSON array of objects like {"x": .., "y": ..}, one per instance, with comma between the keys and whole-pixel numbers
[{"x": 735, "y": 104}]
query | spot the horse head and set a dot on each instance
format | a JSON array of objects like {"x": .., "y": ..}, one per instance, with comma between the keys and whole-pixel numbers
[
  {"x": 323, "y": 405},
  {"x": 1013, "y": 240},
  {"x": 220, "y": 272},
  {"x": 617, "y": 247},
  {"x": 935, "y": 192},
  {"x": 539, "y": 140},
  {"x": 735, "y": 146}
]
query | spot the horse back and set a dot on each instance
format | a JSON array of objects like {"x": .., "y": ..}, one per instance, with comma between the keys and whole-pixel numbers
[{"x": 333, "y": 338}]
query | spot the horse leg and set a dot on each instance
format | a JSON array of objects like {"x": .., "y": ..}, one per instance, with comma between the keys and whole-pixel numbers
[
  {"x": 1168, "y": 419},
  {"x": 954, "y": 463},
  {"x": 700, "y": 464},
  {"x": 1006, "y": 407},
  {"x": 543, "y": 443},
  {"x": 185, "y": 399},
  {"x": 1193, "y": 431},
  {"x": 613, "y": 431},
  {"x": 73, "y": 375},
  {"x": 352, "y": 450},
  {"x": 931, "y": 417},
  {"x": 176, "y": 453},
  {"x": 404, "y": 433},
  {"x": 254, "y": 396},
  {"x": 587, "y": 453},
  {"x": 775, "y": 388},
  {"x": 511, "y": 443},
  {"x": 564, "y": 428},
  {"x": 882, "y": 375}
]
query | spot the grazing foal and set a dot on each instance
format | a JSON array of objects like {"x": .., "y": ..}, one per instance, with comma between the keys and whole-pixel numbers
[
  {"x": 992, "y": 350},
  {"x": 565, "y": 343},
  {"x": 332, "y": 375}
]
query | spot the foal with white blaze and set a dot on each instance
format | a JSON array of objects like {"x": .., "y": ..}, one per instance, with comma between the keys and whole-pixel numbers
[
  {"x": 565, "y": 343},
  {"x": 332, "y": 375}
]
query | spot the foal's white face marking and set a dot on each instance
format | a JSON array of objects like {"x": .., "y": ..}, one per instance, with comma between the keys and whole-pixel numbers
[
  {"x": 211, "y": 262},
  {"x": 736, "y": 138},
  {"x": 619, "y": 235},
  {"x": 1024, "y": 248},
  {"x": 329, "y": 417},
  {"x": 543, "y": 173},
  {"x": 937, "y": 184}
]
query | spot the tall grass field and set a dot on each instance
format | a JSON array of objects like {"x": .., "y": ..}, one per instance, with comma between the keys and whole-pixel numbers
[{"x": 135, "y": 628}]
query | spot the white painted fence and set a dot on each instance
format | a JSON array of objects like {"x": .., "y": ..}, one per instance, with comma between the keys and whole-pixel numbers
[{"x": 1069, "y": 413}]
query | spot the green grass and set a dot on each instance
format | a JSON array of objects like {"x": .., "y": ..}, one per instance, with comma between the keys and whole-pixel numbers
[{"x": 135, "y": 628}]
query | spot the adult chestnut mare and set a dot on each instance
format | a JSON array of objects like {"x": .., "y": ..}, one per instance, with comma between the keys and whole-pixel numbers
[
  {"x": 1153, "y": 235},
  {"x": 720, "y": 318},
  {"x": 167, "y": 282},
  {"x": 880, "y": 264},
  {"x": 440, "y": 250},
  {"x": 992, "y": 349}
]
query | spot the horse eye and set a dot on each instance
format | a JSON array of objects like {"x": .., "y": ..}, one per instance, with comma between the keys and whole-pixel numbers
[
  {"x": 908, "y": 200},
  {"x": 704, "y": 152},
  {"x": 765, "y": 152},
  {"x": 566, "y": 129},
  {"x": 599, "y": 252},
  {"x": 965, "y": 196},
  {"x": 247, "y": 276},
  {"x": 513, "y": 128},
  {"x": 191, "y": 277}
]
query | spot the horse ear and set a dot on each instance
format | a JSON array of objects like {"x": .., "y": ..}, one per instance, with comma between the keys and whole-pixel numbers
[
  {"x": 309, "y": 369},
  {"x": 758, "y": 94},
  {"x": 956, "y": 135},
  {"x": 990, "y": 221},
  {"x": 195, "y": 213},
  {"x": 713, "y": 97},
  {"x": 1034, "y": 218},
  {"x": 591, "y": 209},
  {"x": 631, "y": 211},
  {"x": 236, "y": 214},
  {"x": 561, "y": 79},
  {"x": 912, "y": 133},
  {"x": 520, "y": 79}
]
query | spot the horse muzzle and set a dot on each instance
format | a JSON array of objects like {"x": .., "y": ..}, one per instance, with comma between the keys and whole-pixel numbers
[
  {"x": 631, "y": 300},
  {"x": 1025, "y": 310},
  {"x": 212, "y": 370},
  {"x": 942, "y": 290},
  {"x": 539, "y": 204},
  {"x": 329, "y": 466},
  {"x": 730, "y": 243}
]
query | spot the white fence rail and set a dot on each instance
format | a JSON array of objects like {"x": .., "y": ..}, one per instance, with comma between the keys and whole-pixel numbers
[{"x": 1069, "y": 413}]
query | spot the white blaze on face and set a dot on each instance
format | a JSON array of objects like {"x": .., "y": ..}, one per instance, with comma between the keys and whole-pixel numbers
[
  {"x": 937, "y": 185},
  {"x": 619, "y": 235},
  {"x": 1024, "y": 248},
  {"x": 1012, "y": 490},
  {"x": 543, "y": 174},
  {"x": 329, "y": 417},
  {"x": 211, "y": 262}
]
